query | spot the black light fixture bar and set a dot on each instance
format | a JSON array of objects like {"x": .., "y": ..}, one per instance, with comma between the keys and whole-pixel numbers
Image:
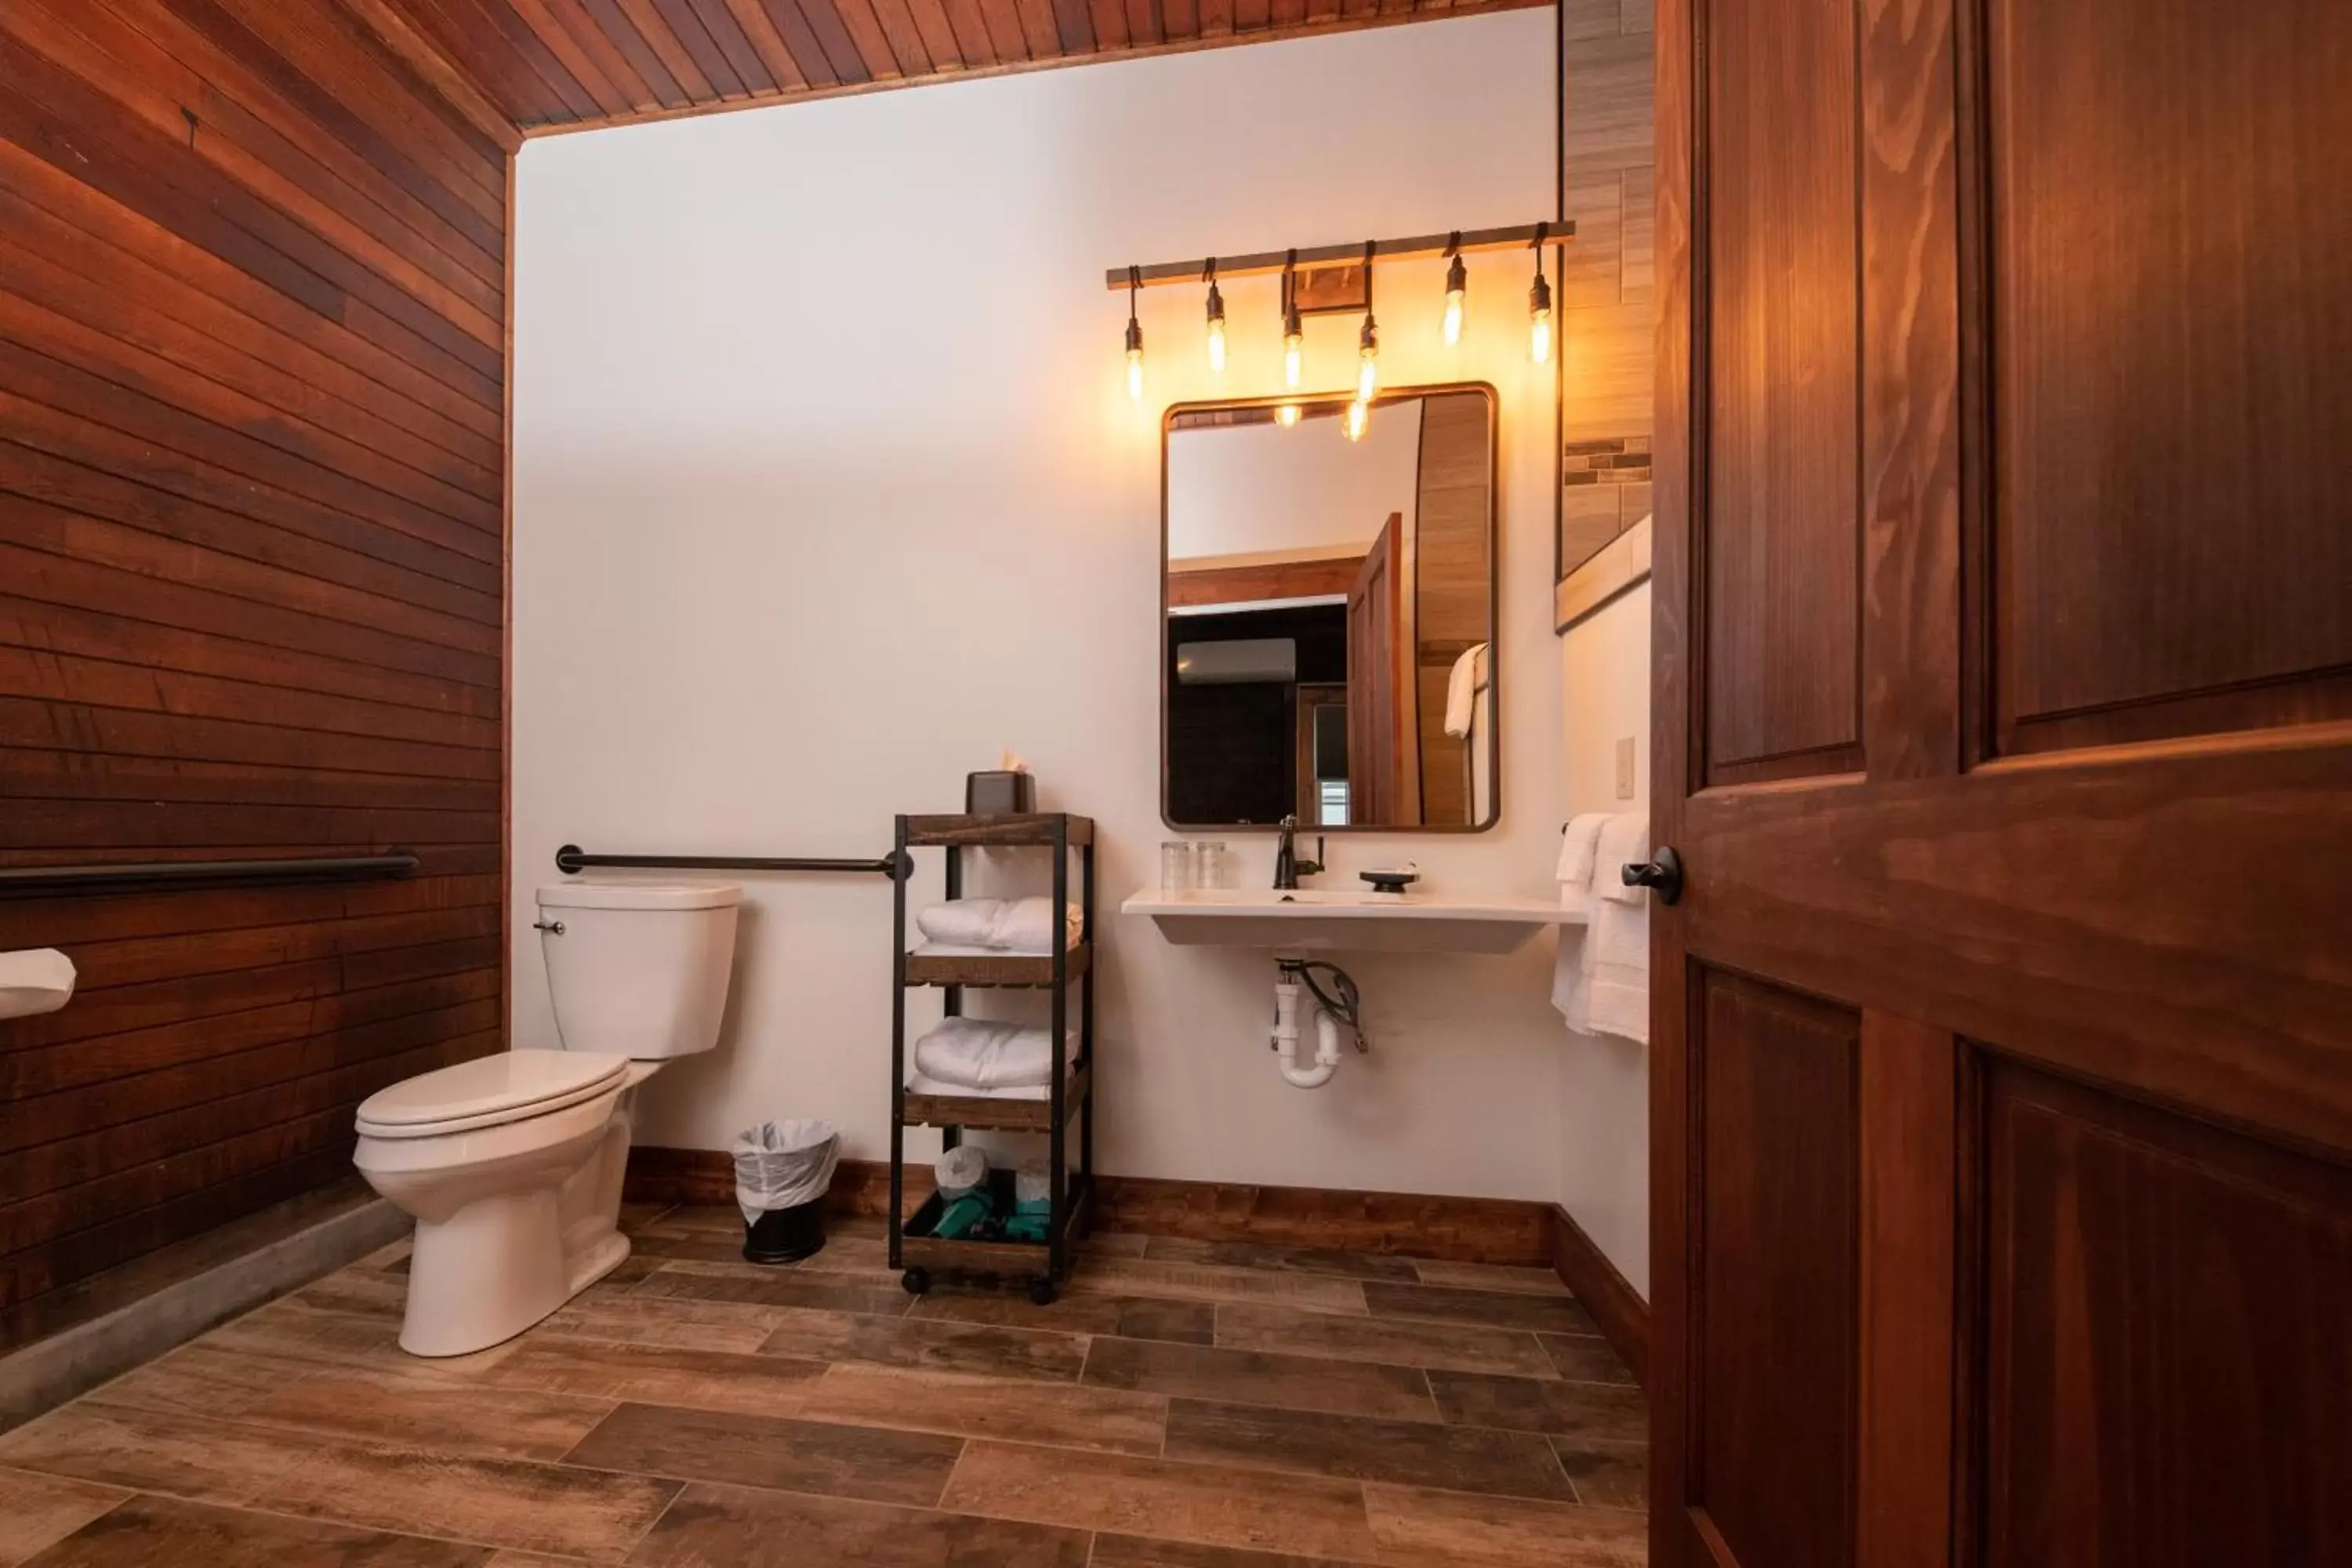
[
  {"x": 572, "y": 860},
  {"x": 115, "y": 876},
  {"x": 1518, "y": 236}
]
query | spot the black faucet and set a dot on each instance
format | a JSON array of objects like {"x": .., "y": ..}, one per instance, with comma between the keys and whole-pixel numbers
[{"x": 1288, "y": 867}]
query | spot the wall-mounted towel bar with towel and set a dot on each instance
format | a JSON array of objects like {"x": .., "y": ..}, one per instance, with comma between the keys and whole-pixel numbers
[
  {"x": 30, "y": 881},
  {"x": 572, "y": 861}
]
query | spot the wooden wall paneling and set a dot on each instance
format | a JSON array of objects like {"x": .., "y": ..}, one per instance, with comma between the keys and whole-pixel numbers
[
  {"x": 546, "y": 65},
  {"x": 251, "y": 488}
]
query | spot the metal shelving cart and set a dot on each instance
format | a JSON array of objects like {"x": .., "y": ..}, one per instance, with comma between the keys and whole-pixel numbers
[{"x": 1071, "y": 1093}]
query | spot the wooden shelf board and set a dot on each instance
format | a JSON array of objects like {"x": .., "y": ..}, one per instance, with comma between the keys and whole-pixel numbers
[
  {"x": 994, "y": 969},
  {"x": 994, "y": 1113},
  {"x": 1033, "y": 828}
]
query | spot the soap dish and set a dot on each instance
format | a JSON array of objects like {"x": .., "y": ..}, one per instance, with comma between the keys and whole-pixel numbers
[{"x": 1390, "y": 881}]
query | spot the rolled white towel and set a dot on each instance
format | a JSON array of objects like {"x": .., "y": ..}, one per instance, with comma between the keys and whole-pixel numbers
[
  {"x": 1000, "y": 925},
  {"x": 987, "y": 1053},
  {"x": 961, "y": 1169}
]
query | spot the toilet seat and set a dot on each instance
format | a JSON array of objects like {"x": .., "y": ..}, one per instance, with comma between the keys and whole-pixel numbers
[{"x": 490, "y": 1091}]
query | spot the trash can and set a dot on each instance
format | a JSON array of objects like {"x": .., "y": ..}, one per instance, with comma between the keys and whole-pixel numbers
[{"x": 782, "y": 1170}]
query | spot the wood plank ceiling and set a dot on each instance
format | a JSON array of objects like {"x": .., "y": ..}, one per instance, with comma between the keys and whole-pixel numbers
[{"x": 565, "y": 64}]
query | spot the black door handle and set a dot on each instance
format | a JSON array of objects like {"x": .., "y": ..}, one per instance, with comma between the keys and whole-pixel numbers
[{"x": 1662, "y": 873}]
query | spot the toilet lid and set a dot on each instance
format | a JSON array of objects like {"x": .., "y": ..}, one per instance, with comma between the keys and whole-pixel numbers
[{"x": 490, "y": 1089}]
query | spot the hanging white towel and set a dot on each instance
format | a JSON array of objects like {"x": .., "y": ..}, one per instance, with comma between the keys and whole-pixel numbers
[
  {"x": 1577, "y": 842},
  {"x": 1461, "y": 690},
  {"x": 1625, "y": 841},
  {"x": 987, "y": 1053},
  {"x": 1000, "y": 925}
]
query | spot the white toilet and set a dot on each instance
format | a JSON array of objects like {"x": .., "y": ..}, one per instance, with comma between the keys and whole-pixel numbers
[{"x": 512, "y": 1163}]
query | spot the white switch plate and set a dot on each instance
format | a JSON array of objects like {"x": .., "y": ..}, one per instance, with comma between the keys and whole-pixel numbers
[{"x": 1625, "y": 767}]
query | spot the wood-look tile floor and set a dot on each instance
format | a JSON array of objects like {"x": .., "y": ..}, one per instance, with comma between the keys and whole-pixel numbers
[{"x": 1184, "y": 1404}]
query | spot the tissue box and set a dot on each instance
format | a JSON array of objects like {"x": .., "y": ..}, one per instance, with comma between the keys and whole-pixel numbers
[{"x": 998, "y": 793}]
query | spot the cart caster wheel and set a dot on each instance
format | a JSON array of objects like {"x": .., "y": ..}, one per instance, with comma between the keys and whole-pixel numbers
[
  {"x": 1041, "y": 1292},
  {"x": 916, "y": 1281}
]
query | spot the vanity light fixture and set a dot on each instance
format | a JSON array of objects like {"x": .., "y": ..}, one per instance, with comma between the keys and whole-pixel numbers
[
  {"x": 1368, "y": 351},
  {"x": 1457, "y": 283},
  {"x": 1539, "y": 307},
  {"x": 1216, "y": 319},
  {"x": 1134, "y": 336},
  {"x": 1293, "y": 332}
]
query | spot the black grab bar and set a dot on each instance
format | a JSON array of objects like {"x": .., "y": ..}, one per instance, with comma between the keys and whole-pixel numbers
[
  {"x": 572, "y": 860},
  {"x": 23, "y": 881}
]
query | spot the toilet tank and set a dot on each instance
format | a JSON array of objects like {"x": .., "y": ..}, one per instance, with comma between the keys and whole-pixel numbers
[{"x": 638, "y": 968}]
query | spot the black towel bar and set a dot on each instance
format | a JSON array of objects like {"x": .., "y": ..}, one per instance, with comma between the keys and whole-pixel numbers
[{"x": 572, "y": 860}]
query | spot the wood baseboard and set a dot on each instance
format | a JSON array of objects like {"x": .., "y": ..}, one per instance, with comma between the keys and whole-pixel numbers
[
  {"x": 1456, "y": 1230},
  {"x": 1624, "y": 1316}
]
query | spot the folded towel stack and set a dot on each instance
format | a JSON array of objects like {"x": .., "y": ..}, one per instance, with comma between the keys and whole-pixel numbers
[
  {"x": 987, "y": 1057},
  {"x": 999, "y": 925}
]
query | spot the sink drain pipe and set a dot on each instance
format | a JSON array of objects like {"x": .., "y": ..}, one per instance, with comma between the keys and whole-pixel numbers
[{"x": 1294, "y": 981}]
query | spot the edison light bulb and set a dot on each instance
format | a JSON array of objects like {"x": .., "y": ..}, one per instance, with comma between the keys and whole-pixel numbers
[
  {"x": 1134, "y": 359},
  {"x": 1358, "y": 416},
  {"x": 1287, "y": 415},
  {"x": 1368, "y": 362},
  {"x": 1539, "y": 337},
  {"x": 1216, "y": 331},
  {"x": 1457, "y": 284},
  {"x": 1293, "y": 352}
]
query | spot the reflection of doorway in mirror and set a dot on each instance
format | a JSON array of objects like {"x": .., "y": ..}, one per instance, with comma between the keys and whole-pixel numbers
[{"x": 1385, "y": 717}]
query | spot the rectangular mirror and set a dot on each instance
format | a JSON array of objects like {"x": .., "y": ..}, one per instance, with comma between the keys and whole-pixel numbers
[{"x": 1328, "y": 599}]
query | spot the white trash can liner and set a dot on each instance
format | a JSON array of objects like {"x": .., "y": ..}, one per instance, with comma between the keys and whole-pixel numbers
[{"x": 783, "y": 1164}]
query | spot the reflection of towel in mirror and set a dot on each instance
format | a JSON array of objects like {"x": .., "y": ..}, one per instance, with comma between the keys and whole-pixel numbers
[
  {"x": 986, "y": 1053},
  {"x": 999, "y": 925},
  {"x": 1462, "y": 689}
]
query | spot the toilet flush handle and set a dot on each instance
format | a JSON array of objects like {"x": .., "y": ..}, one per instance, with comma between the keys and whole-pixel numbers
[{"x": 552, "y": 928}]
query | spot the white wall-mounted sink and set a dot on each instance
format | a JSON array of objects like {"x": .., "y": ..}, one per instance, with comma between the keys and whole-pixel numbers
[
  {"x": 1318, "y": 920},
  {"x": 35, "y": 979}
]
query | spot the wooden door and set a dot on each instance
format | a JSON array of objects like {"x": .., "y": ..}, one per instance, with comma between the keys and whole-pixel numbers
[
  {"x": 2004, "y": 629},
  {"x": 1378, "y": 724}
]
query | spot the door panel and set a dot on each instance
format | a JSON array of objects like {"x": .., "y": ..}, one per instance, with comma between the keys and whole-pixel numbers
[
  {"x": 2167, "y": 1370},
  {"x": 2028, "y": 720},
  {"x": 1782, "y": 424},
  {"x": 2171, "y": 524},
  {"x": 1375, "y": 735},
  {"x": 1776, "y": 1274}
]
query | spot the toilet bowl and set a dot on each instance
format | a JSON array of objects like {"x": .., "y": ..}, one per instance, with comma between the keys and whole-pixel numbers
[{"x": 512, "y": 1165}]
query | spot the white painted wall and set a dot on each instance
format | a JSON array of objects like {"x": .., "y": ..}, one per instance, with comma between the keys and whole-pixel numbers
[
  {"x": 1236, "y": 489},
  {"x": 1605, "y": 1166},
  {"x": 827, "y": 488}
]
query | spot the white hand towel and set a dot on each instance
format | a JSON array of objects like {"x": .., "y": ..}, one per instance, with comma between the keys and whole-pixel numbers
[
  {"x": 1625, "y": 841},
  {"x": 1615, "y": 996},
  {"x": 1461, "y": 691},
  {"x": 1000, "y": 925},
  {"x": 1577, "y": 842},
  {"x": 986, "y": 1053}
]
